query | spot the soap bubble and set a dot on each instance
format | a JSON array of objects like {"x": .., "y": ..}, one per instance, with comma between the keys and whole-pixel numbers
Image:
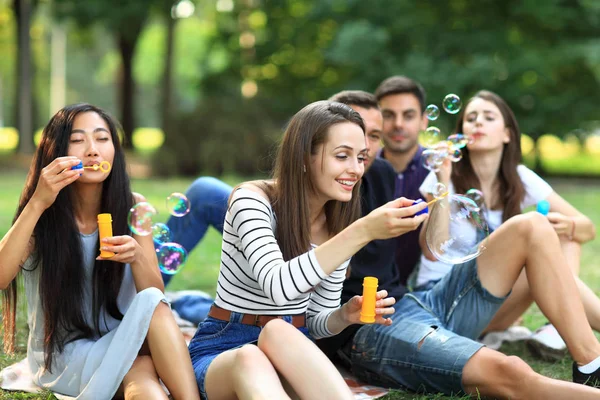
[
  {"x": 161, "y": 233},
  {"x": 178, "y": 205},
  {"x": 458, "y": 140},
  {"x": 439, "y": 190},
  {"x": 432, "y": 112},
  {"x": 430, "y": 137},
  {"x": 456, "y": 155},
  {"x": 477, "y": 197},
  {"x": 171, "y": 257},
  {"x": 452, "y": 103},
  {"x": 140, "y": 218},
  {"x": 456, "y": 230},
  {"x": 430, "y": 157}
]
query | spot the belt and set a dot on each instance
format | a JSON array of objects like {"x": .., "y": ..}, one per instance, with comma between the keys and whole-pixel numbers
[{"x": 222, "y": 314}]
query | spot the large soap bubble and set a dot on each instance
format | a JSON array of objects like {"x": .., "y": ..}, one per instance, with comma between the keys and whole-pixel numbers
[
  {"x": 456, "y": 230},
  {"x": 178, "y": 204},
  {"x": 171, "y": 257},
  {"x": 140, "y": 218}
]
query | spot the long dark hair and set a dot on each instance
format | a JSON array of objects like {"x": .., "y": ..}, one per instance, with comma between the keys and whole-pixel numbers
[
  {"x": 57, "y": 244},
  {"x": 511, "y": 191},
  {"x": 293, "y": 186}
]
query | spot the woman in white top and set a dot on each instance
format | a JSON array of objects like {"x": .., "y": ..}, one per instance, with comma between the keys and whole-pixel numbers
[
  {"x": 286, "y": 247},
  {"x": 98, "y": 327},
  {"x": 491, "y": 163}
]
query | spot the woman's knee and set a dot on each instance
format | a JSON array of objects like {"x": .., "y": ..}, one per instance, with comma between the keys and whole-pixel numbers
[
  {"x": 531, "y": 225},
  {"x": 276, "y": 333},
  {"x": 248, "y": 358}
]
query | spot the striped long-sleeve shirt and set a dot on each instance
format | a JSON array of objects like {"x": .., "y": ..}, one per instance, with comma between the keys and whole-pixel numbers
[{"x": 255, "y": 279}]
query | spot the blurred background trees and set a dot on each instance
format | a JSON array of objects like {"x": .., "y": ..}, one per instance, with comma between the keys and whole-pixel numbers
[{"x": 208, "y": 85}]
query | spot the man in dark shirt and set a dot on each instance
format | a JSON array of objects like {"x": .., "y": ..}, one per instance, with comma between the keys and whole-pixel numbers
[{"x": 402, "y": 103}]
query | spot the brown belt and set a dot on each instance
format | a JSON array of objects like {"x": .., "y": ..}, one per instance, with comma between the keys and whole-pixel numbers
[{"x": 299, "y": 321}]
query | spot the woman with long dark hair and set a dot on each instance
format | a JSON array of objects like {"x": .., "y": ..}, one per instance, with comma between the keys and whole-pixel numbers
[
  {"x": 286, "y": 245},
  {"x": 98, "y": 327}
]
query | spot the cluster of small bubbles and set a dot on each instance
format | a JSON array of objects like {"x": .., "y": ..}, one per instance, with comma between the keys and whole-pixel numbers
[
  {"x": 456, "y": 231},
  {"x": 458, "y": 140},
  {"x": 434, "y": 156},
  {"x": 171, "y": 257},
  {"x": 452, "y": 103},
  {"x": 430, "y": 137},
  {"x": 178, "y": 205},
  {"x": 161, "y": 233},
  {"x": 432, "y": 112},
  {"x": 140, "y": 218}
]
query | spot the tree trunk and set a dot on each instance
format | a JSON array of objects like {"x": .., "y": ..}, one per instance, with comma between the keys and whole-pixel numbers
[
  {"x": 24, "y": 96},
  {"x": 167, "y": 81},
  {"x": 127, "y": 88}
]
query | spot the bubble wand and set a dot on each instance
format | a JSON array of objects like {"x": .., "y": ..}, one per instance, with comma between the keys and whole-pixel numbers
[{"x": 104, "y": 166}]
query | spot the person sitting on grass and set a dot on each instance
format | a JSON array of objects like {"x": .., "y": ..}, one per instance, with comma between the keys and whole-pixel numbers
[
  {"x": 98, "y": 327},
  {"x": 491, "y": 164},
  {"x": 286, "y": 245},
  {"x": 430, "y": 344}
]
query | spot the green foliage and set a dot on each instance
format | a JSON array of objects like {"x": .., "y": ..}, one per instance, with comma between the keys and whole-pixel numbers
[
  {"x": 542, "y": 57},
  {"x": 211, "y": 140}
]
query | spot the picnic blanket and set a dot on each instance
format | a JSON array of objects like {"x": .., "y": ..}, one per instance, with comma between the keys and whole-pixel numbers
[{"x": 17, "y": 377}]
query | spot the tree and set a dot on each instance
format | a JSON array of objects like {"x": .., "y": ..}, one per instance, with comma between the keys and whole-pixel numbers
[
  {"x": 23, "y": 12},
  {"x": 126, "y": 20}
]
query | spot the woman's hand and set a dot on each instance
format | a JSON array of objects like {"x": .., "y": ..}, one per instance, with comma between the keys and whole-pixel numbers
[
  {"x": 394, "y": 219},
  {"x": 562, "y": 224},
  {"x": 383, "y": 306},
  {"x": 127, "y": 250},
  {"x": 53, "y": 178}
]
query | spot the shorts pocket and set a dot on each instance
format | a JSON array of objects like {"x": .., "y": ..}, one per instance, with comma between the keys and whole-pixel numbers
[{"x": 210, "y": 328}]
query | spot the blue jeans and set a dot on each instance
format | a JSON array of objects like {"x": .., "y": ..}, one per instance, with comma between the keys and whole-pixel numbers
[
  {"x": 431, "y": 337},
  {"x": 214, "y": 337},
  {"x": 208, "y": 198}
]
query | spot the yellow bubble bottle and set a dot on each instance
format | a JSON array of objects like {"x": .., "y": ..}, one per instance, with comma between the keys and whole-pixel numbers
[
  {"x": 367, "y": 312},
  {"x": 105, "y": 230}
]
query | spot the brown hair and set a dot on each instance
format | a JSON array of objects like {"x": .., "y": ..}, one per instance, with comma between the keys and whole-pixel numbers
[
  {"x": 289, "y": 195},
  {"x": 401, "y": 84},
  {"x": 357, "y": 98},
  {"x": 511, "y": 191}
]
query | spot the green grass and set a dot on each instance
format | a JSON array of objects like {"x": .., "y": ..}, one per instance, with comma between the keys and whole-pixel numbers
[{"x": 202, "y": 268}]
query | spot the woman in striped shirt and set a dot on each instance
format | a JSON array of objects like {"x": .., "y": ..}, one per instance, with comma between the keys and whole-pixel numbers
[{"x": 286, "y": 247}]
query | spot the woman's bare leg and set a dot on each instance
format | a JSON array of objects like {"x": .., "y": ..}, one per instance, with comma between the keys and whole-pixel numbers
[
  {"x": 530, "y": 240},
  {"x": 515, "y": 305},
  {"x": 141, "y": 382},
  {"x": 244, "y": 373},
  {"x": 170, "y": 355},
  {"x": 288, "y": 348}
]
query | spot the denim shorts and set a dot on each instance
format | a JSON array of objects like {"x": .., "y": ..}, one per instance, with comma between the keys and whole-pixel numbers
[
  {"x": 431, "y": 338},
  {"x": 214, "y": 337}
]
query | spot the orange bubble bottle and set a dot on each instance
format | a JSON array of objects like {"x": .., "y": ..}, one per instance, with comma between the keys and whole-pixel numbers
[{"x": 367, "y": 312}]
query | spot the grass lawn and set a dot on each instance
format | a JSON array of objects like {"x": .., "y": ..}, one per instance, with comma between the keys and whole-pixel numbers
[{"x": 202, "y": 268}]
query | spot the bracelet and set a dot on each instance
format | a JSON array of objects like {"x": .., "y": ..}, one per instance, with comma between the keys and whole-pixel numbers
[{"x": 572, "y": 229}]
